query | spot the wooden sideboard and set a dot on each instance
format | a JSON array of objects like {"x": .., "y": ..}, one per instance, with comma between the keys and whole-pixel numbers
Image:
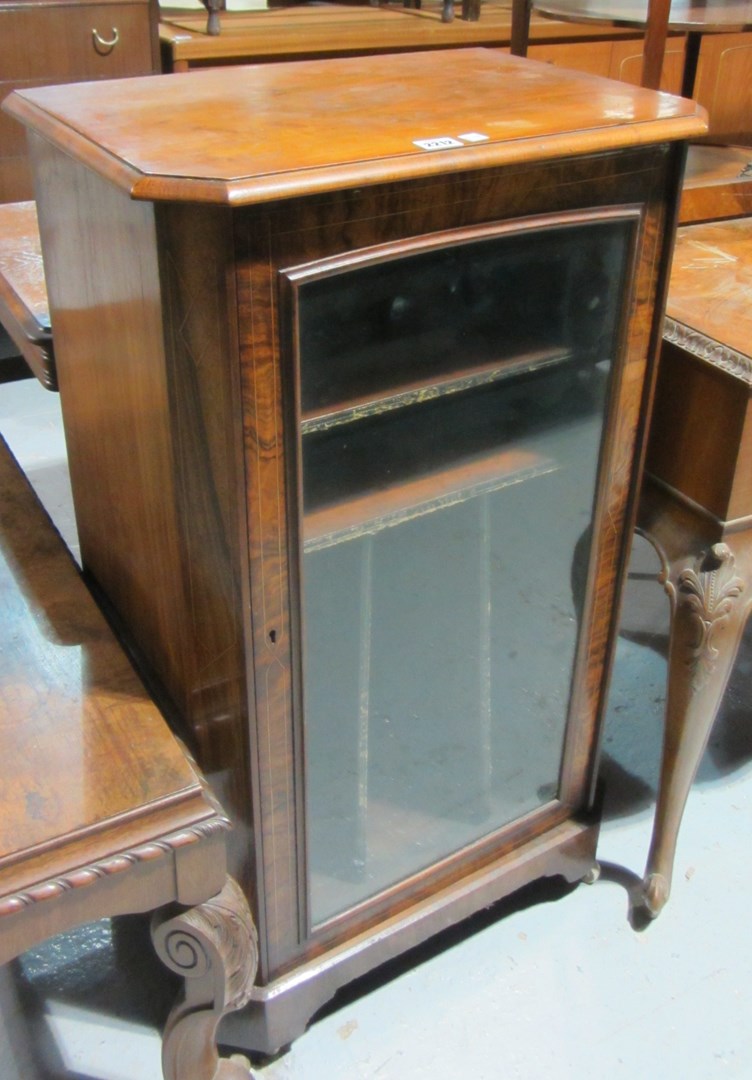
[
  {"x": 354, "y": 402},
  {"x": 58, "y": 41}
]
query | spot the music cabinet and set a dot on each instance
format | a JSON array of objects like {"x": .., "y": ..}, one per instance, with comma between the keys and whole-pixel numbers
[{"x": 354, "y": 359}]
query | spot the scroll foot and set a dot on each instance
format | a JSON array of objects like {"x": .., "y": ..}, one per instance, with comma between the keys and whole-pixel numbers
[{"x": 214, "y": 947}]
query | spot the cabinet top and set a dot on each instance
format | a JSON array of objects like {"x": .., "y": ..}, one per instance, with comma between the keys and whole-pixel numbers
[{"x": 242, "y": 135}]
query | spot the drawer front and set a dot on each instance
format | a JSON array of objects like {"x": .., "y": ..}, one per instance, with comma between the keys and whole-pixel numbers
[
  {"x": 63, "y": 43},
  {"x": 59, "y": 44}
]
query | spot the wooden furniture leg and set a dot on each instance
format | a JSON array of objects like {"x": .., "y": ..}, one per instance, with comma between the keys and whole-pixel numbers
[
  {"x": 656, "y": 33},
  {"x": 214, "y": 947},
  {"x": 708, "y": 585},
  {"x": 696, "y": 503},
  {"x": 654, "y": 49},
  {"x": 520, "y": 33},
  {"x": 470, "y": 10},
  {"x": 213, "y": 7}
]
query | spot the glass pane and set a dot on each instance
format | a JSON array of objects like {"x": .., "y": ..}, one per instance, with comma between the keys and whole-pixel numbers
[{"x": 449, "y": 461}]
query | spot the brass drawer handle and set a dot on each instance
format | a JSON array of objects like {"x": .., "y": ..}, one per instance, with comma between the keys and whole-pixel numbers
[{"x": 102, "y": 45}]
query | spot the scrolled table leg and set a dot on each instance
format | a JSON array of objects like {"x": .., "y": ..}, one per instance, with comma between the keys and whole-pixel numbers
[{"x": 214, "y": 947}]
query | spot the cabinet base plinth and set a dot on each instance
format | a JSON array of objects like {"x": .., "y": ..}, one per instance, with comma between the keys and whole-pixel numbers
[{"x": 280, "y": 1011}]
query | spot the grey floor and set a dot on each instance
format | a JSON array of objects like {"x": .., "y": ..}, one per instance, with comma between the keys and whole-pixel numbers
[{"x": 554, "y": 984}]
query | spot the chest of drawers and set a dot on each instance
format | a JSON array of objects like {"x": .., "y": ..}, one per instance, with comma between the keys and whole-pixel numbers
[{"x": 57, "y": 41}]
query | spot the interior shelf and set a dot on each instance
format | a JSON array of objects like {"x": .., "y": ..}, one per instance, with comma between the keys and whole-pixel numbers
[
  {"x": 371, "y": 513},
  {"x": 432, "y": 388}
]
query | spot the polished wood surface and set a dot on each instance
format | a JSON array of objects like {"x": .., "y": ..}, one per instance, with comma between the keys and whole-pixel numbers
[
  {"x": 58, "y": 41},
  {"x": 256, "y": 141},
  {"x": 101, "y": 813},
  {"x": 655, "y": 20},
  {"x": 658, "y": 17},
  {"x": 717, "y": 184},
  {"x": 338, "y": 30},
  {"x": 723, "y": 85},
  {"x": 620, "y": 59},
  {"x": 24, "y": 309},
  {"x": 711, "y": 280},
  {"x": 89, "y": 766},
  {"x": 179, "y": 402},
  {"x": 71, "y": 703},
  {"x": 697, "y": 503},
  {"x": 706, "y": 15}
]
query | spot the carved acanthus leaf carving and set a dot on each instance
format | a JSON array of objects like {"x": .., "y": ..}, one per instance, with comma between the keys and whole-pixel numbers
[{"x": 710, "y": 594}]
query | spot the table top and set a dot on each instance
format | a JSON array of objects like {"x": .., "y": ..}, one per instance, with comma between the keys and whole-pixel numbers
[
  {"x": 21, "y": 262},
  {"x": 341, "y": 30},
  {"x": 706, "y": 15},
  {"x": 83, "y": 746},
  {"x": 238, "y": 135},
  {"x": 711, "y": 283}
]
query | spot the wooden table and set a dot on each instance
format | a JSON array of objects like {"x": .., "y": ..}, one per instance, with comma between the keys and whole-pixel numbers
[
  {"x": 338, "y": 30},
  {"x": 291, "y": 304},
  {"x": 24, "y": 311},
  {"x": 697, "y": 501},
  {"x": 101, "y": 812},
  {"x": 695, "y": 18}
]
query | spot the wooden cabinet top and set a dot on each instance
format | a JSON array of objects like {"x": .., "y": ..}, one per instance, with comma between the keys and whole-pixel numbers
[{"x": 252, "y": 134}]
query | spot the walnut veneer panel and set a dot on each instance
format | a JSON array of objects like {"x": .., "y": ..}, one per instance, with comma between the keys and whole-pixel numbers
[
  {"x": 253, "y": 124},
  {"x": 85, "y": 752}
]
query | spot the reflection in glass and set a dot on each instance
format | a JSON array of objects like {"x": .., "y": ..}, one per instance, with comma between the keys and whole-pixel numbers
[{"x": 452, "y": 403}]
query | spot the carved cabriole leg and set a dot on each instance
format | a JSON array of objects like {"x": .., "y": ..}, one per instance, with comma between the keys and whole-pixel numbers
[
  {"x": 214, "y": 947},
  {"x": 710, "y": 595}
]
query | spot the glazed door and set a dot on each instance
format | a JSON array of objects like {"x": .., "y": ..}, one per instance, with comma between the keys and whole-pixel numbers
[{"x": 452, "y": 397}]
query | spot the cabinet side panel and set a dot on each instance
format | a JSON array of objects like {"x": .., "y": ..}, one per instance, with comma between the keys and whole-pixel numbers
[
  {"x": 197, "y": 274},
  {"x": 145, "y": 346},
  {"x": 105, "y": 308}
]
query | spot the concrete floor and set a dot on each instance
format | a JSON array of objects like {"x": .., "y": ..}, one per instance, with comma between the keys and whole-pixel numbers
[{"x": 554, "y": 983}]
